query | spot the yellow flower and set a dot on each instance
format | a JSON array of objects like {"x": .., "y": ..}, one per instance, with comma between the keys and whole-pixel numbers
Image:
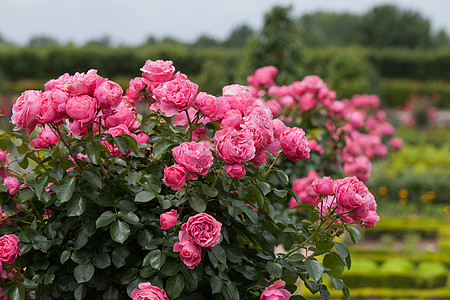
[
  {"x": 403, "y": 193},
  {"x": 382, "y": 190},
  {"x": 446, "y": 209},
  {"x": 431, "y": 195}
]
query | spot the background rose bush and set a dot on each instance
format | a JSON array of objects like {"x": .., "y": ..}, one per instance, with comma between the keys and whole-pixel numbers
[{"x": 177, "y": 200}]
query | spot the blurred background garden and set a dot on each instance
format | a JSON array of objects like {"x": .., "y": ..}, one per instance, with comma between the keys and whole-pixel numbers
[{"x": 389, "y": 50}]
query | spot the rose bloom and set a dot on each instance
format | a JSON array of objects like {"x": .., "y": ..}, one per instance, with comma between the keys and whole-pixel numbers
[
  {"x": 136, "y": 85},
  {"x": 82, "y": 108},
  {"x": 12, "y": 184},
  {"x": 108, "y": 95},
  {"x": 235, "y": 170},
  {"x": 211, "y": 106},
  {"x": 83, "y": 84},
  {"x": 294, "y": 144},
  {"x": 25, "y": 110},
  {"x": 9, "y": 248},
  {"x": 396, "y": 143},
  {"x": 146, "y": 291},
  {"x": 231, "y": 119},
  {"x": 46, "y": 112},
  {"x": 175, "y": 96},
  {"x": 202, "y": 229},
  {"x": 157, "y": 71},
  {"x": 122, "y": 115},
  {"x": 273, "y": 292},
  {"x": 234, "y": 146},
  {"x": 190, "y": 253},
  {"x": 45, "y": 138},
  {"x": 168, "y": 219},
  {"x": 323, "y": 186},
  {"x": 195, "y": 157},
  {"x": 350, "y": 192},
  {"x": 175, "y": 176}
]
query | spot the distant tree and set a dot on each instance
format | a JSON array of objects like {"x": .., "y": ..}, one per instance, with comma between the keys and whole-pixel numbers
[
  {"x": 441, "y": 39},
  {"x": 327, "y": 28},
  {"x": 277, "y": 44},
  {"x": 205, "y": 41},
  {"x": 388, "y": 26},
  {"x": 239, "y": 36},
  {"x": 171, "y": 41},
  {"x": 103, "y": 42},
  {"x": 42, "y": 41},
  {"x": 151, "y": 41}
]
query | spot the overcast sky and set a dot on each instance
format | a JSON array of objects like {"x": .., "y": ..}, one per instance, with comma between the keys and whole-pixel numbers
[{"x": 132, "y": 21}]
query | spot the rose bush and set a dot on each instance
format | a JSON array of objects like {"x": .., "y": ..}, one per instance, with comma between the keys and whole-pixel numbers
[{"x": 175, "y": 202}]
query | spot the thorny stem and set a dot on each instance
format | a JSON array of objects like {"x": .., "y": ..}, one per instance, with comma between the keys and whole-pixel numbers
[
  {"x": 271, "y": 166},
  {"x": 217, "y": 177}
]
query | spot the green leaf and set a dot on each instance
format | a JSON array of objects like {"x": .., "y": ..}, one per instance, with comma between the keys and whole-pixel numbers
[
  {"x": 105, "y": 218},
  {"x": 132, "y": 142},
  {"x": 64, "y": 256},
  {"x": 346, "y": 293},
  {"x": 197, "y": 204},
  {"x": 233, "y": 290},
  {"x": 333, "y": 262},
  {"x": 16, "y": 293},
  {"x": 29, "y": 284},
  {"x": 161, "y": 147},
  {"x": 314, "y": 268},
  {"x": 217, "y": 284},
  {"x": 76, "y": 206},
  {"x": 170, "y": 268},
  {"x": 338, "y": 283},
  {"x": 157, "y": 260},
  {"x": 119, "y": 231},
  {"x": 174, "y": 286},
  {"x": 296, "y": 257},
  {"x": 111, "y": 294},
  {"x": 251, "y": 213},
  {"x": 148, "y": 271},
  {"x": 134, "y": 177},
  {"x": 211, "y": 128},
  {"x": 144, "y": 196},
  {"x": 16, "y": 141},
  {"x": 80, "y": 292},
  {"x": 280, "y": 193},
  {"x": 93, "y": 179},
  {"x": 129, "y": 217},
  {"x": 65, "y": 189},
  {"x": 264, "y": 187},
  {"x": 83, "y": 273},
  {"x": 122, "y": 144},
  {"x": 283, "y": 176},
  {"x": 341, "y": 250},
  {"x": 101, "y": 260},
  {"x": 119, "y": 255},
  {"x": 324, "y": 292},
  {"x": 274, "y": 269},
  {"x": 26, "y": 194},
  {"x": 93, "y": 152},
  {"x": 219, "y": 253},
  {"x": 354, "y": 234}
]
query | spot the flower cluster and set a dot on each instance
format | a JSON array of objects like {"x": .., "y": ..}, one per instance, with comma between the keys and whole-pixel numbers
[
  {"x": 346, "y": 200},
  {"x": 359, "y": 119},
  {"x": 146, "y": 291},
  {"x": 201, "y": 230}
]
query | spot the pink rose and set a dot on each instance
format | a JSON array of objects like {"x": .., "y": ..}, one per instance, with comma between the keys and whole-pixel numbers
[
  {"x": 59, "y": 100},
  {"x": 122, "y": 115},
  {"x": 312, "y": 83},
  {"x": 57, "y": 83},
  {"x": 234, "y": 146},
  {"x": 195, "y": 157},
  {"x": 83, "y": 84},
  {"x": 108, "y": 95},
  {"x": 25, "y": 110},
  {"x": 175, "y": 176},
  {"x": 273, "y": 292},
  {"x": 323, "y": 186},
  {"x": 136, "y": 85},
  {"x": 82, "y": 108},
  {"x": 12, "y": 184},
  {"x": 46, "y": 112},
  {"x": 294, "y": 144},
  {"x": 157, "y": 71},
  {"x": 211, "y": 106},
  {"x": 45, "y": 138},
  {"x": 9, "y": 248},
  {"x": 168, "y": 219},
  {"x": 190, "y": 253},
  {"x": 203, "y": 230},
  {"x": 235, "y": 170},
  {"x": 231, "y": 119},
  {"x": 371, "y": 219},
  {"x": 175, "y": 96},
  {"x": 275, "y": 107},
  {"x": 146, "y": 291},
  {"x": 396, "y": 143},
  {"x": 263, "y": 77},
  {"x": 239, "y": 97},
  {"x": 350, "y": 192}
]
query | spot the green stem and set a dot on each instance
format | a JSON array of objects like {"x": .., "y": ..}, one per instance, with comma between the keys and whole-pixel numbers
[
  {"x": 217, "y": 177},
  {"x": 271, "y": 166}
]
